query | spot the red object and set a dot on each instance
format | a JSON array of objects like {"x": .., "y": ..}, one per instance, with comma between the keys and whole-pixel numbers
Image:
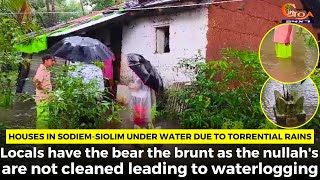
[{"x": 139, "y": 114}]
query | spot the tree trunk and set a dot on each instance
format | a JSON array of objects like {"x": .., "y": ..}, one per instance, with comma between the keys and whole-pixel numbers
[
  {"x": 49, "y": 13},
  {"x": 24, "y": 12},
  {"x": 81, "y": 3},
  {"x": 54, "y": 19}
]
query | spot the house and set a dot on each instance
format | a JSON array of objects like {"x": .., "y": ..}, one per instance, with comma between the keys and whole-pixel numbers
[{"x": 165, "y": 31}]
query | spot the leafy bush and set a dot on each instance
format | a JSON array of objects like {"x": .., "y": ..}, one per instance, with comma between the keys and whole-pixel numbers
[
  {"x": 308, "y": 39},
  {"x": 11, "y": 32},
  {"x": 73, "y": 104},
  {"x": 9, "y": 61},
  {"x": 225, "y": 93}
]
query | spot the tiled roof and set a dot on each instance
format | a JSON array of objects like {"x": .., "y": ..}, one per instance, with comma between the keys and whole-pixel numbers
[
  {"x": 106, "y": 12},
  {"x": 86, "y": 17}
]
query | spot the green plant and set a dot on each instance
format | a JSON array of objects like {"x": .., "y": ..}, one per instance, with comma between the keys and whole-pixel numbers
[
  {"x": 308, "y": 39},
  {"x": 225, "y": 92},
  {"x": 154, "y": 112},
  {"x": 267, "y": 125},
  {"x": 9, "y": 60},
  {"x": 229, "y": 124},
  {"x": 99, "y": 64},
  {"x": 74, "y": 104},
  {"x": 314, "y": 123},
  {"x": 2, "y": 127},
  {"x": 13, "y": 30},
  {"x": 165, "y": 112},
  {"x": 2, "y": 132}
]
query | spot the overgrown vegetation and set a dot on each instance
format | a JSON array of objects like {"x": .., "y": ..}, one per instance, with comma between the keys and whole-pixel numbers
[
  {"x": 15, "y": 23},
  {"x": 2, "y": 127},
  {"x": 308, "y": 39},
  {"x": 225, "y": 92},
  {"x": 10, "y": 60},
  {"x": 73, "y": 104}
]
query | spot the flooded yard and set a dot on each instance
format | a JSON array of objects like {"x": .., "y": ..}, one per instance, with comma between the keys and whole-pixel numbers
[
  {"x": 296, "y": 68},
  {"x": 306, "y": 89},
  {"x": 23, "y": 116}
]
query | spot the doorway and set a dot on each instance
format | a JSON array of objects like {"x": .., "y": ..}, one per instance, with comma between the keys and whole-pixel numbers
[{"x": 116, "y": 46}]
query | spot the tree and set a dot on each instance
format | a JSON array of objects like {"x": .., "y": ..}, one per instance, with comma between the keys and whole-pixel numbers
[
  {"x": 82, "y": 8},
  {"x": 72, "y": 9},
  {"x": 53, "y": 10},
  {"x": 63, "y": 11},
  {"x": 39, "y": 7},
  {"x": 45, "y": 11},
  {"x": 20, "y": 10},
  {"x": 99, "y": 4},
  {"x": 14, "y": 25}
]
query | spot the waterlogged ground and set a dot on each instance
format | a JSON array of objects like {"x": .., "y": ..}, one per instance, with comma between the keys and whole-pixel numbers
[
  {"x": 296, "y": 68},
  {"x": 23, "y": 116},
  {"x": 306, "y": 89}
]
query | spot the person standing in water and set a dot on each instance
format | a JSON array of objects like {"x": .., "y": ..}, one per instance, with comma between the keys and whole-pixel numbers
[
  {"x": 42, "y": 82},
  {"x": 283, "y": 37}
]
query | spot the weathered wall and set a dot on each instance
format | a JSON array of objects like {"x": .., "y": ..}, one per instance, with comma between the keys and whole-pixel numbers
[
  {"x": 187, "y": 35},
  {"x": 102, "y": 34},
  {"x": 242, "y": 25}
]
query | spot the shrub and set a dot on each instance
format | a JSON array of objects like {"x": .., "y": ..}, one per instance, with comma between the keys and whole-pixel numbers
[
  {"x": 225, "y": 93},
  {"x": 9, "y": 60},
  {"x": 74, "y": 104}
]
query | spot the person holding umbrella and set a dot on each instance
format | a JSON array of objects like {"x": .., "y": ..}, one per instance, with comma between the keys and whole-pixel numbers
[
  {"x": 107, "y": 70},
  {"x": 146, "y": 82},
  {"x": 87, "y": 51}
]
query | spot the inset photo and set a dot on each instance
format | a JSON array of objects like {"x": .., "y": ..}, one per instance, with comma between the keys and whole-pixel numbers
[
  {"x": 289, "y": 105},
  {"x": 289, "y": 53}
]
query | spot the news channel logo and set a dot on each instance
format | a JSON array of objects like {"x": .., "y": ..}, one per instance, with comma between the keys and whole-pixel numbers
[{"x": 298, "y": 16}]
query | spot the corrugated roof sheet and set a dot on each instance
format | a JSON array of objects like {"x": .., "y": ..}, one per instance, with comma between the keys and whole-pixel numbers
[{"x": 88, "y": 24}]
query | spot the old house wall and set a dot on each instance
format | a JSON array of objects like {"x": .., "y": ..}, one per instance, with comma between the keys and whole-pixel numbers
[{"x": 187, "y": 36}]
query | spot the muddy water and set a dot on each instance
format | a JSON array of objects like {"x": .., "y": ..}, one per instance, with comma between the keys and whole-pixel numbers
[
  {"x": 296, "y": 68},
  {"x": 22, "y": 115},
  {"x": 306, "y": 89}
]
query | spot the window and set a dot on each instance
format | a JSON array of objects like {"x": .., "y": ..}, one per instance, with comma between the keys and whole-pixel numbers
[{"x": 163, "y": 40}]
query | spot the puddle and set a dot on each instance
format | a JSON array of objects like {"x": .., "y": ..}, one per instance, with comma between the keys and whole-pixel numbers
[
  {"x": 296, "y": 68},
  {"x": 306, "y": 89},
  {"x": 23, "y": 115}
]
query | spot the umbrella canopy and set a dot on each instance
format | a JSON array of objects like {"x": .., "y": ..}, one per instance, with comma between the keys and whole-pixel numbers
[
  {"x": 146, "y": 72},
  {"x": 81, "y": 49}
]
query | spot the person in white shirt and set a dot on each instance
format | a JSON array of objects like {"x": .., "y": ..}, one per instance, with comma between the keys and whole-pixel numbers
[{"x": 90, "y": 74}]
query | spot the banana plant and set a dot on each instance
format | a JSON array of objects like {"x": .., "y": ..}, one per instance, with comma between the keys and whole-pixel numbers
[{"x": 20, "y": 10}]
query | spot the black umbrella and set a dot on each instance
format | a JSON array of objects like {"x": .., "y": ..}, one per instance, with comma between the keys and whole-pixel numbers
[
  {"x": 145, "y": 71},
  {"x": 82, "y": 49}
]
